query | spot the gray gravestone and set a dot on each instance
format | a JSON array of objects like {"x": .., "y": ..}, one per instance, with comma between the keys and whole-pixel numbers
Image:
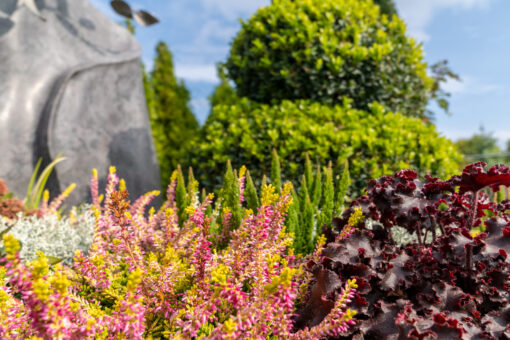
[{"x": 72, "y": 83}]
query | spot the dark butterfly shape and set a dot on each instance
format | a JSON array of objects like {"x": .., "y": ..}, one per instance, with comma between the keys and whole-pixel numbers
[
  {"x": 122, "y": 8},
  {"x": 142, "y": 17}
]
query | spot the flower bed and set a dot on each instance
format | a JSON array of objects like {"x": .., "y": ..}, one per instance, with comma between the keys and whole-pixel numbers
[{"x": 201, "y": 273}]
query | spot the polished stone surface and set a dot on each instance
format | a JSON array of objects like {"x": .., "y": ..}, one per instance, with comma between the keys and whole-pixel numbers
[{"x": 71, "y": 83}]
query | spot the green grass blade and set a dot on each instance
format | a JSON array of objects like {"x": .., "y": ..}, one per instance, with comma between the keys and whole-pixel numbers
[
  {"x": 31, "y": 183},
  {"x": 35, "y": 193}
]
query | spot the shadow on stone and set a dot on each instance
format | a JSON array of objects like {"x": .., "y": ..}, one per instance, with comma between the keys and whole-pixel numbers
[
  {"x": 5, "y": 25},
  {"x": 132, "y": 149}
]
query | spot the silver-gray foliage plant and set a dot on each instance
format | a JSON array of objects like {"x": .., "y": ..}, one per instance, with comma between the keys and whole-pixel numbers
[{"x": 53, "y": 236}]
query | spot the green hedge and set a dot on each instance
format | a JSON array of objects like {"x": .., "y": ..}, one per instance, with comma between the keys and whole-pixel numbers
[
  {"x": 375, "y": 142},
  {"x": 323, "y": 50}
]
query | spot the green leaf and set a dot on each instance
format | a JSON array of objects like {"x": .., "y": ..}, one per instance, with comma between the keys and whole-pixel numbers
[{"x": 34, "y": 193}]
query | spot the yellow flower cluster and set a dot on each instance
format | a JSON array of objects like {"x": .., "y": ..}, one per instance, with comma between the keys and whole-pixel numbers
[
  {"x": 356, "y": 217},
  {"x": 284, "y": 279},
  {"x": 268, "y": 196},
  {"x": 219, "y": 274},
  {"x": 11, "y": 245}
]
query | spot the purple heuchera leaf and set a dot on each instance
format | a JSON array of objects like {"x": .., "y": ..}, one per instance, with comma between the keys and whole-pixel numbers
[
  {"x": 474, "y": 177},
  {"x": 456, "y": 287}
]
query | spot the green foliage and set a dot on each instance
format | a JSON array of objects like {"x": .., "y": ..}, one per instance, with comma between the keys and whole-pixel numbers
[
  {"x": 223, "y": 93},
  {"x": 308, "y": 213},
  {"x": 38, "y": 182},
  {"x": 231, "y": 196},
  {"x": 306, "y": 220},
  {"x": 172, "y": 122},
  {"x": 376, "y": 142},
  {"x": 343, "y": 185},
  {"x": 328, "y": 198},
  {"x": 315, "y": 195},
  {"x": 325, "y": 50},
  {"x": 386, "y": 7},
  {"x": 292, "y": 221},
  {"x": 482, "y": 146},
  {"x": 250, "y": 194},
  {"x": 276, "y": 176},
  {"x": 308, "y": 172},
  {"x": 441, "y": 73},
  {"x": 181, "y": 195}
]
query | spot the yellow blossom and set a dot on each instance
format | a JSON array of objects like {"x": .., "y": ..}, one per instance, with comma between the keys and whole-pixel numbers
[
  {"x": 40, "y": 266},
  {"x": 41, "y": 289},
  {"x": 122, "y": 184},
  {"x": 46, "y": 195},
  {"x": 230, "y": 326},
  {"x": 268, "y": 196},
  {"x": 284, "y": 279},
  {"x": 242, "y": 171},
  {"x": 11, "y": 245},
  {"x": 356, "y": 217},
  {"x": 134, "y": 279},
  {"x": 189, "y": 210},
  {"x": 60, "y": 281},
  {"x": 69, "y": 189},
  {"x": 175, "y": 173},
  {"x": 219, "y": 274}
]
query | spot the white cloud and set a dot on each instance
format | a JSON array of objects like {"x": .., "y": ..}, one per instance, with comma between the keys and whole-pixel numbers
[
  {"x": 205, "y": 72},
  {"x": 200, "y": 107},
  {"x": 503, "y": 137},
  {"x": 419, "y": 13},
  {"x": 233, "y": 9},
  {"x": 471, "y": 86}
]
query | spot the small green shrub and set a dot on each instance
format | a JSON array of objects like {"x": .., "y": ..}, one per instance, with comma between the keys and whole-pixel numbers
[
  {"x": 375, "y": 142},
  {"x": 323, "y": 50},
  {"x": 172, "y": 121}
]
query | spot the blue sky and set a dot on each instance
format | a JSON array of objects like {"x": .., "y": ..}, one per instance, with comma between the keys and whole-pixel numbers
[{"x": 474, "y": 35}]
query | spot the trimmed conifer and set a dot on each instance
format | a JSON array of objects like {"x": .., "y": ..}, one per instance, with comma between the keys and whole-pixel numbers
[
  {"x": 292, "y": 222},
  {"x": 276, "y": 176},
  {"x": 327, "y": 206},
  {"x": 250, "y": 194},
  {"x": 231, "y": 196},
  {"x": 263, "y": 183},
  {"x": 172, "y": 122},
  {"x": 343, "y": 186},
  {"x": 308, "y": 172},
  {"x": 181, "y": 199},
  {"x": 315, "y": 195}
]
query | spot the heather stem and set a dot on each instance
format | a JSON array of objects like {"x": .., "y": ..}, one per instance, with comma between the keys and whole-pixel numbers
[
  {"x": 469, "y": 256},
  {"x": 442, "y": 229},
  {"x": 418, "y": 232},
  {"x": 474, "y": 208}
]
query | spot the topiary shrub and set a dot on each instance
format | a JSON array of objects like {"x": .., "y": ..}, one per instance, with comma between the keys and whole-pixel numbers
[
  {"x": 324, "y": 50},
  {"x": 375, "y": 142}
]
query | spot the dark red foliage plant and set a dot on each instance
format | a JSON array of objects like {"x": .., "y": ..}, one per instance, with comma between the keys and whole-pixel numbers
[
  {"x": 454, "y": 287},
  {"x": 9, "y": 206}
]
